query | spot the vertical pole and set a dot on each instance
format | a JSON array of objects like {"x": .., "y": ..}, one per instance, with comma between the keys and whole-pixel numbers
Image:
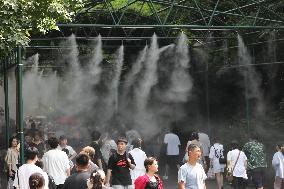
[
  {"x": 247, "y": 101},
  {"x": 20, "y": 103},
  {"x": 7, "y": 117},
  {"x": 207, "y": 99}
]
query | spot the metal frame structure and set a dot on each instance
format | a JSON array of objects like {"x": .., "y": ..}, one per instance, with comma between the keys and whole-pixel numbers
[
  {"x": 137, "y": 20},
  {"x": 124, "y": 18}
]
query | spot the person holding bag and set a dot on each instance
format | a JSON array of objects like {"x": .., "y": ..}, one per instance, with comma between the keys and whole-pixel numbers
[
  {"x": 238, "y": 160},
  {"x": 216, "y": 156}
]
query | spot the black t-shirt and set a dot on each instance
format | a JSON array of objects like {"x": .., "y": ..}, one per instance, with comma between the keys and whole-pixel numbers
[
  {"x": 77, "y": 181},
  {"x": 120, "y": 168}
]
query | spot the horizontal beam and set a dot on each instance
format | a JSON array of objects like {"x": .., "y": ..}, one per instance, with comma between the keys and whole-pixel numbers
[
  {"x": 122, "y": 38},
  {"x": 190, "y": 27}
]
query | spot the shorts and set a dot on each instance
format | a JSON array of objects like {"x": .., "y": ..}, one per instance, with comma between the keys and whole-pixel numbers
[{"x": 258, "y": 176}]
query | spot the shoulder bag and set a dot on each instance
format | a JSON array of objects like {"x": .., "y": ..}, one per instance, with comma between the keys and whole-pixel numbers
[
  {"x": 221, "y": 160},
  {"x": 229, "y": 175}
]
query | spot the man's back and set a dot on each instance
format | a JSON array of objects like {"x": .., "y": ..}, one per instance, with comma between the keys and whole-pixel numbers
[
  {"x": 254, "y": 151},
  {"x": 173, "y": 143},
  {"x": 24, "y": 172},
  {"x": 77, "y": 181},
  {"x": 56, "y": 164}
]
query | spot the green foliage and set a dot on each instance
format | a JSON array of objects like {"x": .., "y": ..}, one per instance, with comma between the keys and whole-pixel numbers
[
  {"x": 138, "y": 7},
  {"x": 20, "y": 18}
]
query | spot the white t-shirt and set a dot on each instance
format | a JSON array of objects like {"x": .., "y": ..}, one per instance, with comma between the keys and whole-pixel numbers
[
  {"x": 69, "y": 148},
  {"x": 278, "y": 164},
  {"x": 173, "y": 143},
  {"x": 193, "y": 176},
  {"x": 139, "y": 157},
  {"x": 24, "y": 173},
  {"x": 216, "y": 152},
  {"x": 56, "y": 164},
  {"x": 205, "y": 141},
  {"x": 240, "y": 170}
]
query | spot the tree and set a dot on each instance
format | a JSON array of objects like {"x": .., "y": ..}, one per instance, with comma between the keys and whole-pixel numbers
[{"x": 21, "y": 18}]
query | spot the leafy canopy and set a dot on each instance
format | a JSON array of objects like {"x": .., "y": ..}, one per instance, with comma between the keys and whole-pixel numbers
[{"x": 20, "y": 18}]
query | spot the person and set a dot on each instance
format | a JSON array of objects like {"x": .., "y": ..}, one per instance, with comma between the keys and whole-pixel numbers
[
  {"x": 217, "y": 152},
  {"x": 194, "y": 139},
  {"x": 139, "y": 157},
  {"x": 131, "y": 135},
  {"x": 118, "y": 166},
  {"x": 26, "y": 170},
  {"x": 11, "y": 160},
  {"x": 70, "y": 161},
  {"x": 238, "y": 164},
  {"x": 90, "y": 151},
  {"x": 108, "y": 147},
  {"x": 56, "y": 163},
  {"x": 150, "y": 180},
  {"x": 79, "y": 179},
  {"x": 63, "y": 141},
  {"x": 38, "y": 143},
  {"x": 278, "y": 165},
  {"x": 96, "y": 180},
  {"x": 51, "y": 183},
  {"x": 36, "y": 181},
  {"x": 97, "y": 159},
  {"x": 205, "y": 147},
  {"x": 171, "y": 140},
  {"x": 257, "y": 164},
  {"x": 191, "y": 174}
]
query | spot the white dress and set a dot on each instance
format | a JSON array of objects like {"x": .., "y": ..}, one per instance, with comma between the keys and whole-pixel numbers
[{"x": 216, "y": 152}]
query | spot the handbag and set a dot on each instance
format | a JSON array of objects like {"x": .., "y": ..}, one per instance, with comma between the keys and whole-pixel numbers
[
  {"x": 222, "y": 160},
  {"x": 229, "y": 175}
]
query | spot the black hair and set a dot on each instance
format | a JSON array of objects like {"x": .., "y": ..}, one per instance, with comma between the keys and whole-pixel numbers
[
  {"x": 121, "y": 139},
  {"x": 97, "y": 180},
  {"x": 62, "y": 137},
  {"x": 149, "y": 161},
  {"x": 234, "y": 144},
  {"x": 194, "y": 136},
  {"x": 11, "y": 140},
  {"x": 53, "y": 142},
  {"x": 254, "y": 136},
  {"x": 96, "y": 135},
  {"x": 82, "y": 160},
  {"x": 39, "y": 164},
  {"x": 66, "y": 151},
  {"x": 137, "y": 143},
  {"x": 31, "y": 153},
  {"x": 192, "y": 147},
  {"x": 33, "y": 125},
  {"x": 36, "y": 181}
]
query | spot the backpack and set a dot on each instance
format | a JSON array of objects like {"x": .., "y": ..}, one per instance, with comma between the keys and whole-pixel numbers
[{"x": 51, "y": 183}]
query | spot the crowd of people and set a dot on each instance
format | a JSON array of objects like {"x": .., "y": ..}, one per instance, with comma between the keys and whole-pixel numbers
[{"x": 122, "y": 163}]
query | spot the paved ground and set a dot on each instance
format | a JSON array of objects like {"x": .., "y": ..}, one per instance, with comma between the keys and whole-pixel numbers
[{"x": 211, "y": 184}]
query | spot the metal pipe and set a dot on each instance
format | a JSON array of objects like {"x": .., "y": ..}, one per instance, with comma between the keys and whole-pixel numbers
[
  {"x": 190, "y": 27},
  {"x": 6, "y": 91},
  {"x": 20, "y": 103},
  {"x": 122, "y": 38}
]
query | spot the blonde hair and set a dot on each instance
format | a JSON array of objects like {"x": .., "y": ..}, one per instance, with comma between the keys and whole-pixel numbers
[{"x": 90, "y": 151}]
